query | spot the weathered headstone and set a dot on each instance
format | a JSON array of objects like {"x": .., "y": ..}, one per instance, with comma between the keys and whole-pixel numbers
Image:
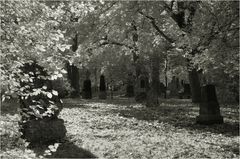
[
  {"x": 173, "y": 87},
  {"x": 162, "y": 89},
  {"x": 102, "y": 88},
  {"x": 87, "y": 89},
  {"x": 39, "y": 111},
  {"x": 44, "y": 130},
  {"x": 141, "y": 88},
  {"x": 185, "y": 92},
  {"x": 142, "y": 83},
  {"x": 130, "y": 90},
  {"x": 209, "y": 108}
]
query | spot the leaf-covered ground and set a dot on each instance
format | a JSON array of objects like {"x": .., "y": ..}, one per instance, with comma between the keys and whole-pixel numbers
[{"x": 121, "y": 128}]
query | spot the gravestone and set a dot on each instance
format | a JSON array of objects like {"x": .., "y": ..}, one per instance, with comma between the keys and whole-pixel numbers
[
  {"x": 162, "y": 89},
  {"x": 102, "y": 88},
  {"x": 130, "y": 90},
  {"x": 87, "y": 89},
  {"x": 185, "y": 92},
  {"x": 38, "y": 124},
  {"x": 177, "y": 83},
  {"x": 44, "y": 131},
  {"x": 173, "y": 87},
  {"x": 209, "y": 108},
  {"x": 141, "y": 88}
]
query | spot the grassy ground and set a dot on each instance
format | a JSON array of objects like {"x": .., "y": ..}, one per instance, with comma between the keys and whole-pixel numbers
[{"x": 121, "y": 128}]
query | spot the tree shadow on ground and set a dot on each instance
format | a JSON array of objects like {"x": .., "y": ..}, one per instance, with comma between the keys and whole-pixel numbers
[
  {"x": 9, "y": 106},
  {"x": 65, "y": 150},
  {"x": 182, "y": 114},
  {"x": 83, "y": 103}
]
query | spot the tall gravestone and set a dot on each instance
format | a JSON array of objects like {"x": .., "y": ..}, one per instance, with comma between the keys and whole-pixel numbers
[
  {"x": 141, "y": 88},
  {"x": 73, "y": 78},
  {"x": 162, "y": 89},
  {"x": 130, "y": 90},
  {"x": 173, "y": 86},
  {"x": 102, "y": 88},
  {"x": 87, "y": 89},
  {"x": 209, "y": 108},
  {"x": 73, "y": 72},
  {"x": 185, "y": 92},
  {"x": 39, "y": 111}
]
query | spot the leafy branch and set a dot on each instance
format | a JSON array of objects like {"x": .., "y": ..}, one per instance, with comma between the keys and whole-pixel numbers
[
  {"x": 155, "y": 26},
  {"x": 111, "y": 42}
]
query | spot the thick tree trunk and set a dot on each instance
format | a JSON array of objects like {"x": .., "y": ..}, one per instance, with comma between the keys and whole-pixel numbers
[
  {"x": 73, "y": 77},
  {"x": 96, "y": 78},
  {"x": 195, "y": 86},
  {"x": 131, "y": 79},
  {"x": 75, "y": 82},
  {"x": 152, "y": 95},
  {"x": 73, "y": 74}
]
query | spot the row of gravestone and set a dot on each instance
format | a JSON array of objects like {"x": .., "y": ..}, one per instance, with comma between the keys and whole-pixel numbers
[
  {"x": 87, "y": 89},
  {"x": 50, "y": 128},
  {"x": 175, "y": 88},
  {"x": 209, "y": 112}
]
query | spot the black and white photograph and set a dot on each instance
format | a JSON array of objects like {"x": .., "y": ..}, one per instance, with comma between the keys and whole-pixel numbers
[{"x": 127, "y": 79}]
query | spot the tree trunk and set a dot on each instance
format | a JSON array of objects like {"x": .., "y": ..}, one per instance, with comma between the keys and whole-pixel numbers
[
  {"x": 152, "y": 95},
  {"x": 195, "y": 85},
  {"x": 130, "y": 87},
  {"x": 95, "y": 76},
  {"x": 166, "y": 78},
  {"x": 111, "y": 92},
  {"x": 73, "y": 77},
  {"x": 75, "y": 82},
  {"x": 131, "y": 80},
  {"x": 73, "y": 74}
]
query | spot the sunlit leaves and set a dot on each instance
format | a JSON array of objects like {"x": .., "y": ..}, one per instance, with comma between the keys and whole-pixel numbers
[
  {"x": 54, "y": 92},
  {"x": 49, "y": 95},
  {"x": 30, "y": 31},
  {"x": 214, "y": 38}
]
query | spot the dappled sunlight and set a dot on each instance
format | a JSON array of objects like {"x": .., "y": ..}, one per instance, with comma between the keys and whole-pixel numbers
[
  {"x": 116, "y": 128},
  {"x": 119, "y": 79},
  {"x": 126, "y": 131}
]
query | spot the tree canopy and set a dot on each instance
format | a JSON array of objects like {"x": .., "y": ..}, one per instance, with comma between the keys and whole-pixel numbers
[{"x": 113, "y": 32}]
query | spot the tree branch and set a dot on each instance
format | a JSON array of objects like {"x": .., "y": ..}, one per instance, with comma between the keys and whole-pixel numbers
[
  {"x": 108, "y": 42},
  {"x": 154, "y": 24}
]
